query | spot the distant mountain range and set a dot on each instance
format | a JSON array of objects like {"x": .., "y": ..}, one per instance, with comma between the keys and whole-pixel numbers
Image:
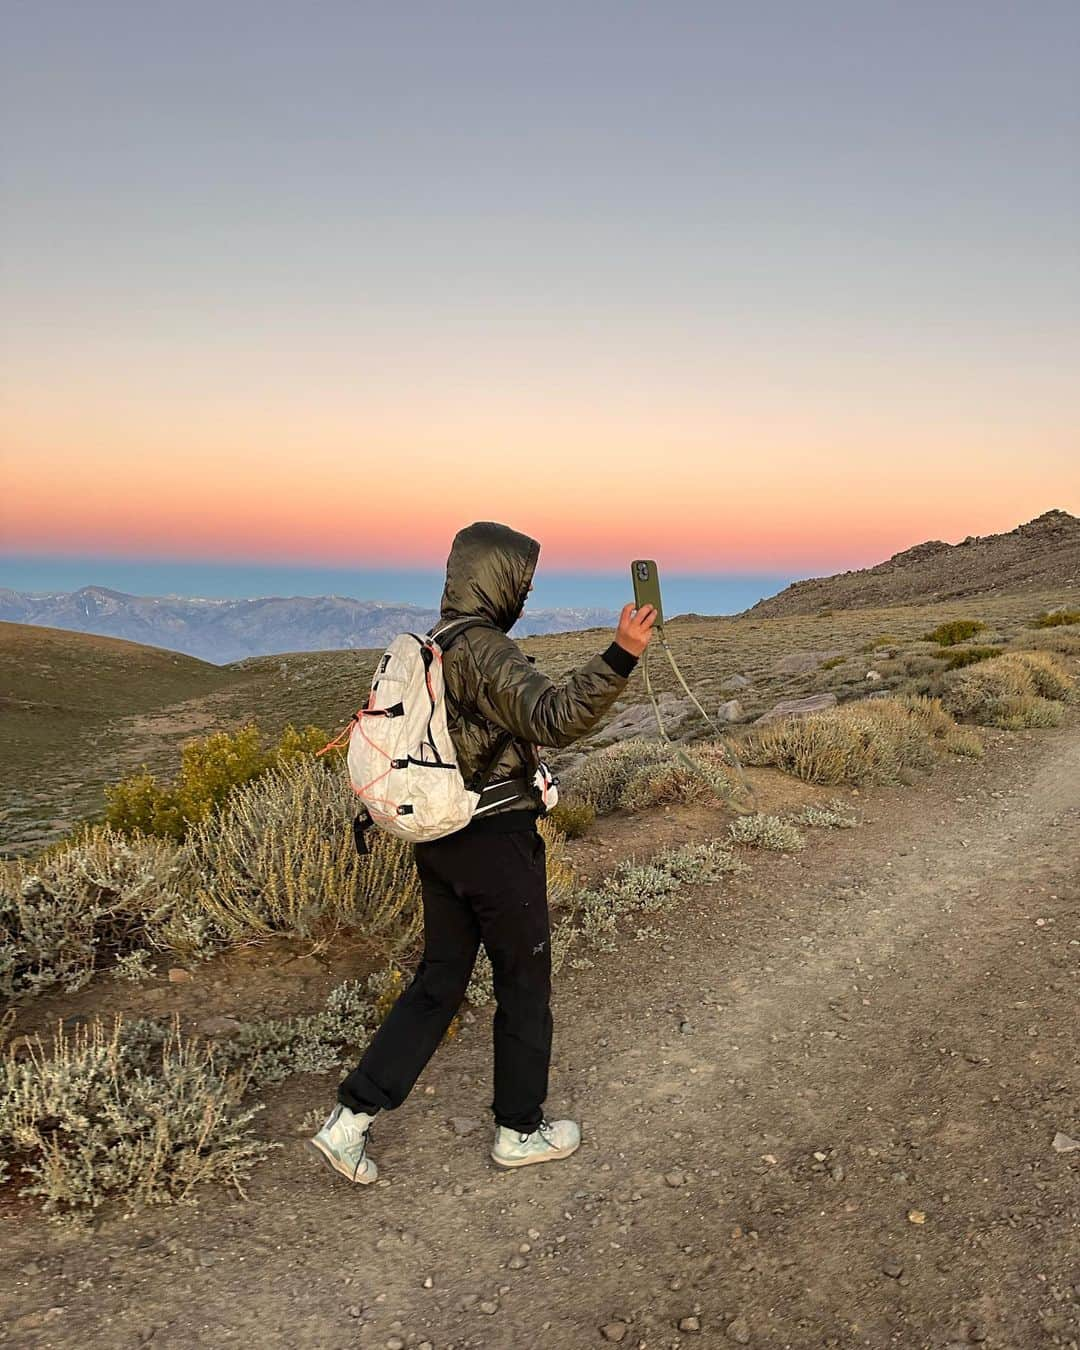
[
  {"x": 1038, "y": 556},
  {"x": 229, "y": 630}
]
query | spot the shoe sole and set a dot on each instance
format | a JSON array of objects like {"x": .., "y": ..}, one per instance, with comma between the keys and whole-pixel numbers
[
  {"x": 329, "y": 1161},
  {"x": 553, "y": 1155}
]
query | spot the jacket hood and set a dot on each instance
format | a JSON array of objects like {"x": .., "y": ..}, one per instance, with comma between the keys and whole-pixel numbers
[{"x": 488, "y": 573}]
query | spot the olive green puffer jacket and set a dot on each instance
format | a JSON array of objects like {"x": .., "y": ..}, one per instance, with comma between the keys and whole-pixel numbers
[{"x": 492, "y": 687}]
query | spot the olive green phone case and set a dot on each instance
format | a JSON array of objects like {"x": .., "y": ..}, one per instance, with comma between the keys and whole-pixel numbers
[{"x": 646, "y": 581}]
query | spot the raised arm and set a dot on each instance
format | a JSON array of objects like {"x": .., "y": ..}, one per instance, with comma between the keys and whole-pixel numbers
[{"x": 514, "y": 695}]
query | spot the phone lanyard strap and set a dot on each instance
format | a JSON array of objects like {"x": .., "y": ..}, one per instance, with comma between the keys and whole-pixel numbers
[{"x": 729, "y": 753}]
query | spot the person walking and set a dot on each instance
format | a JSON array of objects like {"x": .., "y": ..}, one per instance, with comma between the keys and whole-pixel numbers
[{"x": 487, "y": 883}]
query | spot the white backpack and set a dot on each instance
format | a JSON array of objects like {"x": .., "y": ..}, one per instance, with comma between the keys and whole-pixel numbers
[{"x": 402, "y": 762}]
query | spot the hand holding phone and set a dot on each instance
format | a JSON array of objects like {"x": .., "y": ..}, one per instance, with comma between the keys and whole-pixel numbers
[
  {"x": 634, "y": 632},
  {"x": 638, "y": 619}
]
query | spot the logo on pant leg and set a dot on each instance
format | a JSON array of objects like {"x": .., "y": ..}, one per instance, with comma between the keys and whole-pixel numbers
[{"x": 539, "y": 948}]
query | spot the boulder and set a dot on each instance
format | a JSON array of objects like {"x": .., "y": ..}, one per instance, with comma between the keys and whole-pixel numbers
[
  {"x": 640, "y": 720},
  {"x": 797, "y": 707},
  {"x": 735, "y": 682},
  {"x": 220, "y": 1026},
  {"x": 802, "y": 663},
  {"x": 731, "y": 711}
]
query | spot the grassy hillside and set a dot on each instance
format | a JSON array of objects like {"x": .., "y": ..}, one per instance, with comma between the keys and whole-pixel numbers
[
  {"x": 82, "y": 711},
  {"x": 56, "y": 672},
  {"x": 67, "y": 701}
]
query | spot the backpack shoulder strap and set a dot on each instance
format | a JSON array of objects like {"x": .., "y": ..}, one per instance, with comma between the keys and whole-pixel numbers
[{"x": 448, "y": 633}]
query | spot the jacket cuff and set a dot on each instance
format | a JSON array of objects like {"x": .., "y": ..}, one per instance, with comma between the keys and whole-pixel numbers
[{"x": 620, "y": 660}]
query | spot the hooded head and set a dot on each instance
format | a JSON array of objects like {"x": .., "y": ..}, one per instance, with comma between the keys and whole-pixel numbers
[{"x": 488, "y": 572}]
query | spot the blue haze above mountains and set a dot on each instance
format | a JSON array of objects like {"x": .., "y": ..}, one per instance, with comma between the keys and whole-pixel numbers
[{"x": 221, "y": 623}]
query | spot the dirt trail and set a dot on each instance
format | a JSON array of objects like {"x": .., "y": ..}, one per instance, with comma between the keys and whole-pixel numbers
[{"x": 883, "y": 1025}]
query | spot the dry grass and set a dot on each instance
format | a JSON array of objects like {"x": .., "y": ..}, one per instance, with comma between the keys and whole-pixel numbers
[
  {"x": 96, "y": 1116},
  {"x": 76, "y": 908},
  {"x": 873, "y": 741},
  {"x": 574, "y": 817},
  {"x": 1015, "y": 690},
  {"x": 636, "y": 774},
  {"x": 1054, "y": 640},
  {"x": 769, "y": 832},
  {"x": 279, "y": 858}
]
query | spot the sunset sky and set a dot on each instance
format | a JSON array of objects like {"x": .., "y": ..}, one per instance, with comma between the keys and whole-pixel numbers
[{"x": 770, "y": 288}]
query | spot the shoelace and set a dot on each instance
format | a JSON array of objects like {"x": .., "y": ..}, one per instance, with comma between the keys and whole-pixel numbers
[
  {"x": 543, "y": 1128},
  {"x": 365, "y": 1137}
]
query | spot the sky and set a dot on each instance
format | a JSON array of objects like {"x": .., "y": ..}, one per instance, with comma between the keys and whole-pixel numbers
[{"x": 760, "y": 289}]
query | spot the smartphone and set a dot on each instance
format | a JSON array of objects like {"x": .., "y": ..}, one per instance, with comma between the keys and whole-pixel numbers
[{"x": 646, "y": 581}]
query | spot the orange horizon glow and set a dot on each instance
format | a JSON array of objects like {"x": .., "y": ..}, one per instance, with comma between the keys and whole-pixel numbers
[{"x": 699, "y": 488}]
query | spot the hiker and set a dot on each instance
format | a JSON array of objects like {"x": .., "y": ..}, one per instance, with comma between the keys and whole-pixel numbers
[{"x": 487, "y": 883}]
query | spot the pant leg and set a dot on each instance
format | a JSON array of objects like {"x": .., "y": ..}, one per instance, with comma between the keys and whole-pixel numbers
[
  {"x": 507, "y": 884},
  {"x": 417, "y": 1022}
]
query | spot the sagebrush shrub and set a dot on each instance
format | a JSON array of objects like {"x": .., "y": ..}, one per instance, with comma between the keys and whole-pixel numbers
[
  {"x": 601, "y": 778},
  {"x": 956, "y": 630},
  {"x": 766, "y": 832},
  {"x": 833, "y": 816},
  {"x": 1015, "y": 714},
  {"x": 970, "y": 656},
  {"x": 211, "y": 768},
  {"x": 636, "y": 774},
  {"x": 1056, "y": 618},
  {"x": 77, "y": 907},
  {"x": 275, "y": 1048},
  {"x": 573, "y": 817},
  {"x": 671, "y": 782},
  {"x": 871, "y": 741},
  {"x": 882, "y": 640},
  {"x": 95, "y": 1117},
  {"x": 278, "y": 857},
  {"x": 1050, "y": 678},
  {"x": 642, "y": 888},
  {"x": 1014, "y": 690}
]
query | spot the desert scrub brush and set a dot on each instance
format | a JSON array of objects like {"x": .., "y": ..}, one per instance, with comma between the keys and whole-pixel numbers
[
  {"x": 766, "y": 832},
  {"x": 956, "y": 630},
  {"x": 573, "y": 817},
  {"x": 832, "y": 816},
  {"x": 279, "y": 858},
  {"x": 869, "y": 741},
  {"x": 86, "y": 1121},
  {"x": 1015, "y": 690},
  {"x": 639, "y": 773},
  {"x": 275, "y": 1048},
  {"x": 96, "y": 897},
  {"x": 646, "y": 888}
]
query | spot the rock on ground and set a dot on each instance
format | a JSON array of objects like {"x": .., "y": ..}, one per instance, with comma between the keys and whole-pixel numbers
[
  {"x": 803, "y": 663},
  {"x": 797, "y": 707}
]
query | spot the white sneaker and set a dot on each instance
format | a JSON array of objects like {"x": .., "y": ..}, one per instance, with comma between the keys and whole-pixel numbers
[
  {"x": 550, "y": 1141},
  {"x": 342, "y": 1145}
]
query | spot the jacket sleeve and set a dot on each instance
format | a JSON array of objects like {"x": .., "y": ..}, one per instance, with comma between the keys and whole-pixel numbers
[{"x": 516, "y": 696}]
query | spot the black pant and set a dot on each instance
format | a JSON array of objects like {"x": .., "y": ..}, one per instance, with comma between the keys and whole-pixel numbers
[{"x": 478, "y": 885}]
